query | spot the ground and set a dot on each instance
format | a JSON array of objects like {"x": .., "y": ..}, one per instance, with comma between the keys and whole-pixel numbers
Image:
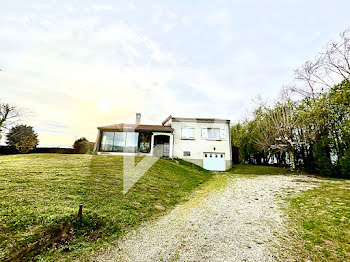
[
  {"x": 40, "y": 195},
  {"x": 237, "y": 218},
  {"x": 176, "y": 211},
  {"x": 231, "y": 218},
  {"x": 322, "y": 218}
]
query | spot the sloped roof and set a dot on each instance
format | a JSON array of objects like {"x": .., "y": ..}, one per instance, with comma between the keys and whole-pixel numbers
[{"x": 134, "y": 127}]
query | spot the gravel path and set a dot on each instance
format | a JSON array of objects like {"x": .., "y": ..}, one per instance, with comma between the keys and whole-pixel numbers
[{"x": 231, "y": 218}]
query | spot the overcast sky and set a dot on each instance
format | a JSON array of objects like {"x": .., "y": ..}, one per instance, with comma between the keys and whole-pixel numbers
[{"x": 80, "y": 64}]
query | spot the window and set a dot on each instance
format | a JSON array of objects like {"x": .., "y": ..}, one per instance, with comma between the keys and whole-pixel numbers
[
  {"x": 145, "y": 143},
  {"x": 131, "y": 142},
  {"x": 107, "y": 141},
  {"x": 119, "y": 141},
  {"x": 187, "y": 133},
  {"x": 214, "y": 133},
  {"x": 187, "y": 153}
]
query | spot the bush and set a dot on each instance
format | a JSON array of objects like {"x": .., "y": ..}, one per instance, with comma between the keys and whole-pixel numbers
[
  {"x": 322, "y": 158},
  {"x": 81, "y": 146},
  {"x": 91, "y": 147},
  {"x": 22, "y": 138},
  {"x": 345, "y": 164}
]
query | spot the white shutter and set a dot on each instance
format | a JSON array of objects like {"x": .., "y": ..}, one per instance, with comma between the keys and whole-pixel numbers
[
  {"x": 187, "y": 133},
  {"x": 184, "y": 133},
  {"x": 205, "y": 133},
  {"x": 190, "y": 133},
  {"x": 222, "y": 133}
]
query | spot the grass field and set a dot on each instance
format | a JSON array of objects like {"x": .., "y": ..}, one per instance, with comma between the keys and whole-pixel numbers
[
  {"x": 322, "y": 217},
  {"x": 259, "y": 170},
  {"x": 40, "y": 195}
]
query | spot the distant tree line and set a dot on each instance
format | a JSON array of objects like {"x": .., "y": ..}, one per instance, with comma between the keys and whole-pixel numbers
[
  {"x": 309, "y": 126},
  {"x": 22, "y": 138}
]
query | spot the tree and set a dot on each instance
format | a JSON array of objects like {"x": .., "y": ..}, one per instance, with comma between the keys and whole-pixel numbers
[
  {"x": 81, "y": 146},
  {"x": 23, "y": 138},
  {"x": 277, "y": 128},
  {"x": 334, "y": 118},
  {"x": 330, "y": 67},
  {"x": 314, "y": 130},
  {"x": 8, "y": 114},
  {"x": 243, "y": 136}
]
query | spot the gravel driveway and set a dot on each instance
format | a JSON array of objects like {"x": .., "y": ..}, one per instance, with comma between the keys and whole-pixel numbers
[{"x": 231, "y": 218}]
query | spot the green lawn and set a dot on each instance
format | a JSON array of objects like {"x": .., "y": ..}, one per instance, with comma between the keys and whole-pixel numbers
[
  {"x": 40, "y": 195},
  {"x": 322, "y": 217},
  {"x": 259, "y": 170}
]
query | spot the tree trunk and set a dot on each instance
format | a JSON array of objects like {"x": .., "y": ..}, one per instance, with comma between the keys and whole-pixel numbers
[{"x": 292, "y": 159}]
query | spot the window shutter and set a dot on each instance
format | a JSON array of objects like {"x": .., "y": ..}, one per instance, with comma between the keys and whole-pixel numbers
[
  {"x": 187, "y": 133},
  {"x": 223, "y": 133},
  {"x": 183, "y": 132},
  {"x": 205, "y": 133},
  {"x": 190, "y": 133}
]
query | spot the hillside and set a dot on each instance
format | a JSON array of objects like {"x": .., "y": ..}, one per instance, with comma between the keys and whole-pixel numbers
[{"x": 41, "y": 193}]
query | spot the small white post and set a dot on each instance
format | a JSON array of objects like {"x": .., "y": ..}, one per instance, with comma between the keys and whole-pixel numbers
[
  {"x": 152, "y": 144},
  {"x": 171, "y": 142}
]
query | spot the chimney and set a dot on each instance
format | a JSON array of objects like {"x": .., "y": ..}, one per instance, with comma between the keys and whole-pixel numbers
[{"x": 138, "y": 118}]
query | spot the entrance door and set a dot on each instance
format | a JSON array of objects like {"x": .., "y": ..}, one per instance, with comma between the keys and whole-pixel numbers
[
  {"x": 214, "y": 161},
  {"x": 161, "y": 146}
]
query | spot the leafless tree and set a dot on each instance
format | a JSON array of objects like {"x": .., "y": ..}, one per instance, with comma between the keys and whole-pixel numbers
[
  {"x": 329, "y": 68},
  {"x": 277, "y": 128},
  {"x": 336, "y": 56},
  {"x": 306, "y": 74},
  {"x": 9, "y": 114}
]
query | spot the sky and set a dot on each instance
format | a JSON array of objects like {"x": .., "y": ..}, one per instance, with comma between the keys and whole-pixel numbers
[{"x": 76, "y": 65}]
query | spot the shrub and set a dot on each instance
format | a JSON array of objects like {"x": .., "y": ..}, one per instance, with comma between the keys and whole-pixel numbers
[
  {"x": 81, "y": 146},
  {"x": 91, "y": 147},
  {"x": 345, "y": 164},
  {"x": 322, "y": 158},
  {"x": 23, "y": 138}
]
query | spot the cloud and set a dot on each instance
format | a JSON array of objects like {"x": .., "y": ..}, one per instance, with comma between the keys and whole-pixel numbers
[
  {"x": 54, "y": 124},
  {"x": 63, "y": 80},
  {"x": 81, "y": 65}
]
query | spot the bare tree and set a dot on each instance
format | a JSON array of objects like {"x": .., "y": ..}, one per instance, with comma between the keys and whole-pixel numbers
[
  {"x": 336, "y": 56},
  {"x": 329, "y": 68},
  {"x": 307, "y": 74},
  {"x": 9, "y": 114},
  {"x": 277, "y": 128}
]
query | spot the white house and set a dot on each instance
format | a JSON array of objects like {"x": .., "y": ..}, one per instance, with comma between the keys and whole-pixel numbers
[{"x": 203, "y": 141}]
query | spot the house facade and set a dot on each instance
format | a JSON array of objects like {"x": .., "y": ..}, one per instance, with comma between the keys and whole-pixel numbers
[{"x": 203, "y": 141}]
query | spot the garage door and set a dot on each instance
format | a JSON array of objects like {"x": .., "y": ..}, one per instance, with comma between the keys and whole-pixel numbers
[{"x": 214, "y": 161}]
